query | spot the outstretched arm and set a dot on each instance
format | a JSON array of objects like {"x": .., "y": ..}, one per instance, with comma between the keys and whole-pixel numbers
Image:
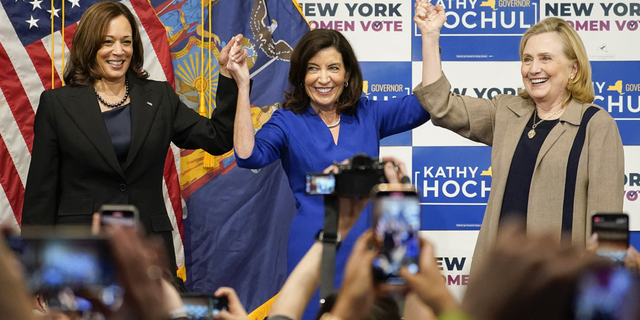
[
  {"x": 243, "y": 139},
  {"x": 430, "y": 19}
]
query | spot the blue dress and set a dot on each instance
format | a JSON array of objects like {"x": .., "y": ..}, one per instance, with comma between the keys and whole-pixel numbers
[{"x": 305, "y": 144}]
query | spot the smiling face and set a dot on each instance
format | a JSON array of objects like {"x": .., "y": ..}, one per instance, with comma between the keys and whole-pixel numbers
[
  {"x": 325, "y": 78},
  {"x": 114, "y": 57},
  {"x": 545, "y": 69}
]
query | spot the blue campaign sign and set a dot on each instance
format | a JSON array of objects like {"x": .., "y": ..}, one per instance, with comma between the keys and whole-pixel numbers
[
  {"x": 617, "y": 87},
  {"x": 454, "y": 185},
  {"x": 481, "y": 30},
  {"x": 384, "y": 81}
]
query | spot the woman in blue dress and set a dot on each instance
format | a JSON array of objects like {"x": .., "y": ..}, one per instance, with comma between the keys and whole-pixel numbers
[{"x": 324, "y": 119}]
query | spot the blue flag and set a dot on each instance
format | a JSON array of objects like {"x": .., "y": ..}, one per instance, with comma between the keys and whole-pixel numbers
[{"x": 237, "y": 224}]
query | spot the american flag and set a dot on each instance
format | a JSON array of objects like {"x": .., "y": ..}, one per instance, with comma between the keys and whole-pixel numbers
[{"x": 31, "y": 50}]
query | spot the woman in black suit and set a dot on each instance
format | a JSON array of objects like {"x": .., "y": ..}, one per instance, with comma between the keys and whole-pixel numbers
[{"x": 103, "y": 138}]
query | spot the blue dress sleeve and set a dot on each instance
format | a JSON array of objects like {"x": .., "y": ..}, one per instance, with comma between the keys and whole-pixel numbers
[
  {"x": 270, "y": 143},
  {"x": 397, "y": 115}
]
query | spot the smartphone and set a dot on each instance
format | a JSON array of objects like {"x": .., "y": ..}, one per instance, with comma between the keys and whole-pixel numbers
[
  {"x": 320, "y": 184},
  {"x": 608, "y": 293},
  {"x": 613, "y": 235},
  {"x": 55, "y": 260},
  {"x": 203, "y": 306},
  {"x": 118, "y": 214},
  {"x": 396, "y": 223}
]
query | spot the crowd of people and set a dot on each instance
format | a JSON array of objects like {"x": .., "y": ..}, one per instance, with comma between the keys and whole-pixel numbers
[{"x": 557, "y": 159}]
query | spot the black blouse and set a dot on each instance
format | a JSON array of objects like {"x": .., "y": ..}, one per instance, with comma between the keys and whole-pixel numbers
[
  {"x": 118, "y": 123},
  {"x": 516, "y": 194}
]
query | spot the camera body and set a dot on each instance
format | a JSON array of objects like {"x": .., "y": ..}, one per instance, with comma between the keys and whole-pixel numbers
[{"x": 354, "y": 179}]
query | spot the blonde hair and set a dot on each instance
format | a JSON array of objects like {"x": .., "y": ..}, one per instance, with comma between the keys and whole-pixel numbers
[{"x": 580, "y": 88}]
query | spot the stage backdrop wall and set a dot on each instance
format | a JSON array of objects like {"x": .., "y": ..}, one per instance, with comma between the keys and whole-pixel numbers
[{"x": 480, "y": 43}]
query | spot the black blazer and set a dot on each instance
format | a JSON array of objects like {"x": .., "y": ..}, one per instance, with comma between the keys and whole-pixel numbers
[{"x": 74, "y": 168}]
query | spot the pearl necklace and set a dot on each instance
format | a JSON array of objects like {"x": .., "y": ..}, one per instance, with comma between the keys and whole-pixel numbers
[
  {"x": 335, "y": 124},
  {"x": 114, "y": 105},
  {"x": 532, "y": 132}
]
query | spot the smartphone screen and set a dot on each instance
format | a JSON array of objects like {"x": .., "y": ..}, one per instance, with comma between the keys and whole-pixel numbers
[
  {"x": 51, "y": 263},
  {"x": 609, "y": 293},
  {"x": 118, "y": 214},
  {"x": 613, "y": 235},
  {"x": 396, "y": 224},
  {"x": 202, "y": 306},
  {"x": 319, "y": 183}
]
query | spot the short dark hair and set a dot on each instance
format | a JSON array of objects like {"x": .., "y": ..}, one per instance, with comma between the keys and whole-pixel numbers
[
  {"x": 309, "y": 45},
  {"x": 82, "y": 69}
]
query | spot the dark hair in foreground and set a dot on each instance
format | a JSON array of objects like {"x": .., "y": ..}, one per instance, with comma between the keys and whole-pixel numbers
[
  {"x": 309, "y": 45},
  {"x": 82, "y": 69}
]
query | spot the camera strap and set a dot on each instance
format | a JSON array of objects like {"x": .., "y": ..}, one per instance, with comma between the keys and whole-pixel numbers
[{"x": 329, "y": 246}]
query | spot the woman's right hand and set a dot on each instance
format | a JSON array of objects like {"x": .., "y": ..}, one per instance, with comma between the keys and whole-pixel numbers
[
  {"x": 237, "y": 64},
  {"x": 429, "y": 18}
]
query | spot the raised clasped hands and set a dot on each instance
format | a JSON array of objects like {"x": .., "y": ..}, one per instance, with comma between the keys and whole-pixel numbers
[
  {"x": 429, "y": 18},
  {"x": 226, "y": 54},
  {"x": 236, "y": 63}
]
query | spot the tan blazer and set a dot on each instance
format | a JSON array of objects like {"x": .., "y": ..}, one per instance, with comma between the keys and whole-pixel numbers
[{"x": 500, "y": 123}]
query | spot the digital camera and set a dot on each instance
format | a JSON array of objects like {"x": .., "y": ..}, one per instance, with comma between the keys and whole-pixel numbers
[{"x": 354, "y": 179}]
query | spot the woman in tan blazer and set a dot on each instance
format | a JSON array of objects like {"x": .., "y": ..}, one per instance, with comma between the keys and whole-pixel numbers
[{"x": 556, "y": 158}]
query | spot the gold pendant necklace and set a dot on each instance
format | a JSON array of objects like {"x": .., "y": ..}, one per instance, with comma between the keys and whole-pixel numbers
[{"x": 532, "y": 132}]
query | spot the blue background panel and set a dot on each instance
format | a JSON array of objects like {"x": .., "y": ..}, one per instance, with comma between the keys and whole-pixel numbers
[{"x": 455, "y": 217}]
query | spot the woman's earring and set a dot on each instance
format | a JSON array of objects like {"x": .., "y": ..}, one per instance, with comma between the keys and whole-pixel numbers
[
  {"x": 346, "y": 84},
  {"x": 571, "y": 77}
]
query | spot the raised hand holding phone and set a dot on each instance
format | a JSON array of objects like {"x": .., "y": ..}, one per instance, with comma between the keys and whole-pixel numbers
[
  {"x": 396, "y": 223},
  {"x": 125, "y": 215},
  {"x": 612, "y": 234}
]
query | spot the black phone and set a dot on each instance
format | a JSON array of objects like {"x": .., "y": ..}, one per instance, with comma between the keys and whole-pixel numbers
[
  {"x": 320, "y": 184},
  {"x": 613, "y": 235},
  {"x": 396, "y": 223},
  {"x": 203, "y": 306},
  {"x": 118, "y": 214}
]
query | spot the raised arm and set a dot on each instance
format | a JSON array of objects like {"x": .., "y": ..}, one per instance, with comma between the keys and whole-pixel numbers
[
  {"x": 243, "y": 139},
  {"x": 430, "y": 19}
]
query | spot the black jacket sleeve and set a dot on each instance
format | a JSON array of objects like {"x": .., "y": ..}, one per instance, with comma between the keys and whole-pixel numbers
[{"x": 214, "y": 135}]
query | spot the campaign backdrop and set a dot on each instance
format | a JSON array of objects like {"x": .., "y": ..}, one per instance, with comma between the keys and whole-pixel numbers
[
  {"x": 480, "y": 42},
  {"x": 236, "y": 220}
]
